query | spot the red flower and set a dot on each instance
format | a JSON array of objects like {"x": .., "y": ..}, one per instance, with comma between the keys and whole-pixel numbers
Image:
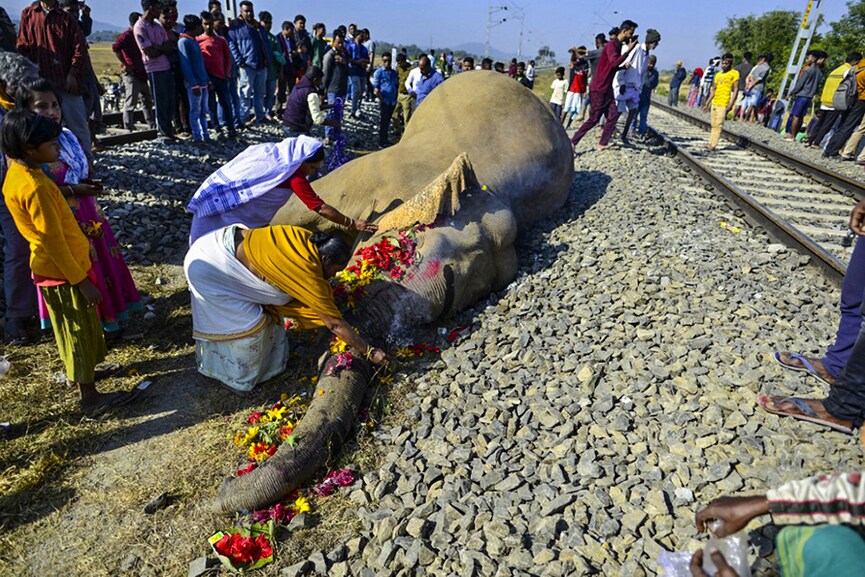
[
  {"x": 264, "y": 548},
  {"x": 253, "y": 418},
  {"x": 249, "y": 468},
  {"x": 242, "y": 550}
]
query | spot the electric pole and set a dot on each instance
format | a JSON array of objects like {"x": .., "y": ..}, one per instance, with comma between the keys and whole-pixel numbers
[
  {"x": 800, "y": 46},
  {"x": 491, "y": 24}
]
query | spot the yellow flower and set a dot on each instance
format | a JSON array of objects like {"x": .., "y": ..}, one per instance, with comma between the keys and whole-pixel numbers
[
  {"x": 301, "y": 505},
  {"x": 283, "y": 397},
  {"x": 321, "y": 393},
  {"x": 265, "y": 419},
  {"x": 337, "y": 345},
  {"x": 386, "y": 379},
  {"x": 314, "y": 380},
  {"x": 240, "y": 439},
  {"x": 275, "y": 414},
  {"x": 251, "y": 433}
]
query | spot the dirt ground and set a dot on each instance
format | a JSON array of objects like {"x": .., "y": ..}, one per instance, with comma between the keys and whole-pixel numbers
[{"x": 73, "y": 488}]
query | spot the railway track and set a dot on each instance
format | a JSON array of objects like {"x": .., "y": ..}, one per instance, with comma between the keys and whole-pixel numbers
[
  {"x": 117, "y": 135},
  {"x": 803, "y": 205}
]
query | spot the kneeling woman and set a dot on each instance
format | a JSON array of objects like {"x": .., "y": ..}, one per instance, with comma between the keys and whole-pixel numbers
[
  {"x": 252, "y": 188},
  {"x": 235, "y": 272}
]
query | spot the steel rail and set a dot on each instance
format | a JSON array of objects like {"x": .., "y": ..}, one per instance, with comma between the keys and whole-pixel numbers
[
  {"x": 760, "y": 215},
  {"x": 825, "y": 175}
]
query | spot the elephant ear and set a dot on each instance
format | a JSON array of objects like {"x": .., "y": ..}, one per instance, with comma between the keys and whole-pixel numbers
[{"x": 441, "y": 196}]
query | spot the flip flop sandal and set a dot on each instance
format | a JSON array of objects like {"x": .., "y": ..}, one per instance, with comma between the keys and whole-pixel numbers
[
  {"x": 125, "y": 398},
  {"x": 133, "y": 334},
  {"x": 807, "y": 366},
  {"x": 106, "y": 370},
  {"x": 116, "y": 401},
  {"x": 808, "y": 413}
]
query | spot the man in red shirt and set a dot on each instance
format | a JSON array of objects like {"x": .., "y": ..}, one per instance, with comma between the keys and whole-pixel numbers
[
  {"x": 601, "y": 97},
  {"x": 217, "y": 62},
  {"x": 52, "y": 39},
  {"x": 134, "y": 76}
]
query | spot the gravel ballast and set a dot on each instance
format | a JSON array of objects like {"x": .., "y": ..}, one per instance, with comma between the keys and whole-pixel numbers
[{"x": 606, "y": 394}]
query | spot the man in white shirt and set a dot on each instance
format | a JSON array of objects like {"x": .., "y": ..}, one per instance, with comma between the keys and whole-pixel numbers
[
  {"x": 629, "y": 82},
  {"x": 530, "y": 74}
]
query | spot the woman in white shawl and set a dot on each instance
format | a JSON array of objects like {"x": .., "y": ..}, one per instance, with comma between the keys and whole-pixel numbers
[{"x": 251, "y": 188}]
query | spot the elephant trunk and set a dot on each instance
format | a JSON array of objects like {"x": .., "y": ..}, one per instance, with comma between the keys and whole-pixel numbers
[{"x": 336, "y": 402}]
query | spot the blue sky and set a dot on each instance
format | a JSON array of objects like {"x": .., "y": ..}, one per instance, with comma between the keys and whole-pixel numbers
[{"x": 686, "y": 27}]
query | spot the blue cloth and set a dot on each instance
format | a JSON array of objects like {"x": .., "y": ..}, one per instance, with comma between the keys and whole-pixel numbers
[
  {"x": 678, "y": 78},
  {"x": 250, "y": 175},
  {"x": 356, "y": 52},
  {"x": 800, "y": 106},
  {"x": 17, "y": 282},
  {"x": 252, "y": 85},
  {"x": 426, "y": 84},
  {"x": 192, "y": 63},
  {"x": 248, "y": 45},
  {"x": 387, "y": 83},
  {"x": 330, "y": 131},
  {"x": 164, "y": 100},
  {"x": 648, "y": 86},
  {"x": 851, "y": 316},
  {"x": 198, "y": 114}
]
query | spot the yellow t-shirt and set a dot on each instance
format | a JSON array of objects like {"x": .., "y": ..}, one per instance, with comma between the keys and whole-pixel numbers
[
  {"x": 58, "y": 248},
  {"x": 724, "y": 83}
]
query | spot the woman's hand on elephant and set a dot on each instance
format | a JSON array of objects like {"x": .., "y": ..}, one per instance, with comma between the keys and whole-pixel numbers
[
  {"x": 378, "y": 357},
  {"x": 361, "y": 225}
]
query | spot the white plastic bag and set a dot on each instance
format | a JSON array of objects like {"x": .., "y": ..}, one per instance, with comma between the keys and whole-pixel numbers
[{"x": 734, "y": 549}]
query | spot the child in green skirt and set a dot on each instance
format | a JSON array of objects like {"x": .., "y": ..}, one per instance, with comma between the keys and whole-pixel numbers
[{"x": 59, "y": 252}]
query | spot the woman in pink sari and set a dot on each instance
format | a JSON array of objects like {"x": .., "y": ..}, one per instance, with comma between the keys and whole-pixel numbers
[
  {"x": 694, "y": 89},
  {"x": 72, "y": 174}
]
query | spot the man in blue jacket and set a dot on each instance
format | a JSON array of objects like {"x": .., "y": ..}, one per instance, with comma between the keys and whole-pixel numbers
[{"x": 248, "y": 45}]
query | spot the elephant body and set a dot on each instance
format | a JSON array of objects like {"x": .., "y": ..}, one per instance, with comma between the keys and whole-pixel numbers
[{"x": 482, "y": 159}]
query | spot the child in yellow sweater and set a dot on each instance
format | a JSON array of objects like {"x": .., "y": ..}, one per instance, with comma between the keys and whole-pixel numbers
[{"x": 59, "y": 252}]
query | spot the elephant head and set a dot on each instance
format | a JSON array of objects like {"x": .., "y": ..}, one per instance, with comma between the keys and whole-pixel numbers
[{"x": 482, "y": 159}]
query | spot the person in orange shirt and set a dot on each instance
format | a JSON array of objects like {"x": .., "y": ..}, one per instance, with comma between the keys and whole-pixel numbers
[{"x": 59, "y": 253}]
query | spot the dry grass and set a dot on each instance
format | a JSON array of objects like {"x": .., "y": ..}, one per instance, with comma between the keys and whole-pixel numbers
[
  {"x": 72, "y": 488},
  {"x": 105, "y": 63}
]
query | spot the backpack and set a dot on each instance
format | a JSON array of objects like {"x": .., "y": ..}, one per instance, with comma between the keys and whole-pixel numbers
[{"x": 845, "y": 95}]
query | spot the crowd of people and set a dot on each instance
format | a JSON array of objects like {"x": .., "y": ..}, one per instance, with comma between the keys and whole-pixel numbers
[
  {"x": 835, "y": 101},
  {"x": 821, "y": 514},
  {"x": 616, "y": 78},
  {"x": 207, "y": 74}
]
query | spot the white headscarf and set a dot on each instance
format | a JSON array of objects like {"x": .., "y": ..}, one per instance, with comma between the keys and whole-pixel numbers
[{"x": 251, "y": 174}]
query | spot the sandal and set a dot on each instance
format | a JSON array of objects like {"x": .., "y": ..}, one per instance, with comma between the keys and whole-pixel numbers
[
  {"x": 807, "y": 366},
  {"x": 106, "y": 370},
  {"x": 112, "y": 400},
  {"x": 806, "y": 413}
]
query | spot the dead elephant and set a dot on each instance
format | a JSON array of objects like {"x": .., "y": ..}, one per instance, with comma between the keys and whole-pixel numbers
[{"x": 483, "y": 158}]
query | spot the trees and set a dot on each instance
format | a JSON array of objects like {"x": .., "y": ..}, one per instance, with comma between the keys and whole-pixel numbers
[
  {"x": 772, "y": 32},
  {"x": 545, "y": 55},
  {"x": 845, "y": 35}
]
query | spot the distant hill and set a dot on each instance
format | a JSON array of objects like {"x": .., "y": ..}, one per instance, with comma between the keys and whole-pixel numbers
[
  {"x": 477, "y": 48},
  {"x": 97, "y": 27},
  {"x": 106, "y": 27}
]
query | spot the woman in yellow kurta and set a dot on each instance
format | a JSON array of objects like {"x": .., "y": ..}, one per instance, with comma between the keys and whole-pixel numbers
[{"x": 235, "y": 272}]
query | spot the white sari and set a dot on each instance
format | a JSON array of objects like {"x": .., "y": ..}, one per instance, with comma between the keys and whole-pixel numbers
[{"x": 236, "y": 342}]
